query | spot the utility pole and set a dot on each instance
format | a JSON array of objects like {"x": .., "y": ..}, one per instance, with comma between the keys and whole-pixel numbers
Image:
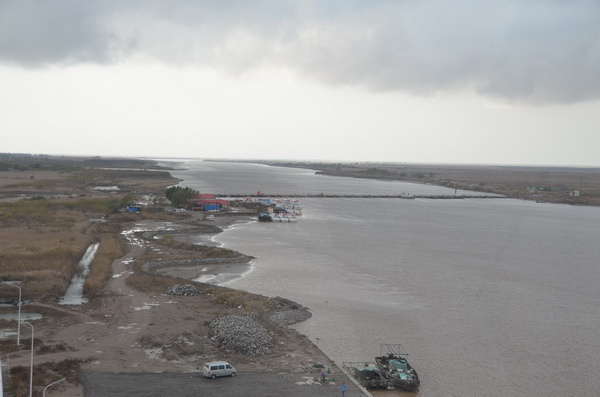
[
  {"x": 31, "y": 364},
  {"x": 51, "y": 384}
]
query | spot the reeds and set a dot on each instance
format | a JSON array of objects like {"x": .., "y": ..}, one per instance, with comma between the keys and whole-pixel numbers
[
  {"x": 153, "y": 283},
  {"x": 242, "y": 300},
  {"x": 50, "y": 213},
  {"x": 42, "y": 274},
  {"x": 43, "y": 241},
  {"x": 43, "y": 375},
  {"x": 205, "y": 250},
  {"x": 110, "y": 249}
]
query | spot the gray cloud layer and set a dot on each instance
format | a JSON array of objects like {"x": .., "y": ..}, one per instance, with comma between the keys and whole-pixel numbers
[{"x": 511, "y": 50}]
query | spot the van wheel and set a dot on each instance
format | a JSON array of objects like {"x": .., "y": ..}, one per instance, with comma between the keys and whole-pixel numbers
[
  {"x": 232, "y": 374},
  {"x": 213, "y": 376}
]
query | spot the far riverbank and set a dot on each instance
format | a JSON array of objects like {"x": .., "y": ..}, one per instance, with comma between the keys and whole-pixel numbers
[{"x": 551, "y": 184}]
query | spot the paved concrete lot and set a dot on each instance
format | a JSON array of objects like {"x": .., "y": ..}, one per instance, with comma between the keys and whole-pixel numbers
[{"x": 102, "y": 384}]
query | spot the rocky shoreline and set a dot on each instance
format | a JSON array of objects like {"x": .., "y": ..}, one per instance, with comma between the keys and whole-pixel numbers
[{"x": 244, "y": 334}]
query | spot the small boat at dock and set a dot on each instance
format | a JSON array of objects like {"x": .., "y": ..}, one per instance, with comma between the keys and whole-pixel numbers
[
  {"x": 368, "y": 375},
  {"x": 393, "y": 364},
  {"x": 390, "y": 370},
  {"x": 280, "y": 217}
]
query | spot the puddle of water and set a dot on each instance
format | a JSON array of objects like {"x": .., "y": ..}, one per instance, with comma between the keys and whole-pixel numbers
[
  {"x": 8, "y": 333},
  {"x": 24, "y": 316},
  {"x": 146, "y": 306},
  {"x": 74, "y": 294},
  {"x": 121, "y": 274},
  {"x": 128, "y": 326},
  {"x": 106, "y": 188},
  {"x": 206, "y": 279},
  {"x": 5, "y": 334}
]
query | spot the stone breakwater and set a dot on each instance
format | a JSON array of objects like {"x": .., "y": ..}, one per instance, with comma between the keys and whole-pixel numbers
[
  {"x": 183, "y": 289},
  {"x": 241, "y": 334},
  {"x": 197, "y": 261},
  {"x": 289, "y": 317},
  {"x": 182, "y": 230},
  {"x": 296, "y": 313}
]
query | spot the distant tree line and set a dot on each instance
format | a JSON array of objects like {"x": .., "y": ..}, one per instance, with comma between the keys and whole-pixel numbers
[{"x": 4, "y": 166}]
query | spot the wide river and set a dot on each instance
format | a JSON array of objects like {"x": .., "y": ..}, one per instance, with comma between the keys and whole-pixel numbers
[{"x": 491, "y": 297}]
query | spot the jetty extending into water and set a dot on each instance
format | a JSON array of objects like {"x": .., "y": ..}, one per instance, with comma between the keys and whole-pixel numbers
[{"x": 370, "y": 196}]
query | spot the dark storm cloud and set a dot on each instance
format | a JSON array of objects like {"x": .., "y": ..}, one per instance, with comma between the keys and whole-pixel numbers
[
  {"x": 524, "y": 51},
  {"x": 37, "y": 33}
]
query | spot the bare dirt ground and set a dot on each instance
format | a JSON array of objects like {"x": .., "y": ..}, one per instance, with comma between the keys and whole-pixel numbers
[
  {"x": 153, "y": 337},
  {"x": 129, "y": 332}
]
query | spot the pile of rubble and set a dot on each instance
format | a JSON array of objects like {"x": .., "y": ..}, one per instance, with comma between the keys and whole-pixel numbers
[
  {"x": 290, "y": 317},
  {"x": 183, "y": 289},
  {"x": 241, "y": 334}
]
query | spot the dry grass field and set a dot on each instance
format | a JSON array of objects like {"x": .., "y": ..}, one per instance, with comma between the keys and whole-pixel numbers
[
  {"x": 43, "y": 242},
  {"x": 50, "y": 212}
]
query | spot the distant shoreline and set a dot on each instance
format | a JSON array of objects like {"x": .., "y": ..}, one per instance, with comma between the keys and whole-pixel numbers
[{"x": 544, "y": 184}]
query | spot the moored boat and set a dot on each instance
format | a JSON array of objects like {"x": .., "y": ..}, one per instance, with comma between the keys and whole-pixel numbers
[
  {"x": 265, "y": 218},
  {"x": 280, "y": 217},
  {"x": 393, "y": 365},
  {"x": 368, "y": 375}
]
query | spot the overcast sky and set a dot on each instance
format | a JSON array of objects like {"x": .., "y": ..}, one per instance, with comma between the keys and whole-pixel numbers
[{"x": 430, "y": 81}]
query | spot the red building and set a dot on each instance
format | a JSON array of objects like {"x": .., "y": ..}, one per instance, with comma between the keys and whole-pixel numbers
[{"x": 208, "y": 202}]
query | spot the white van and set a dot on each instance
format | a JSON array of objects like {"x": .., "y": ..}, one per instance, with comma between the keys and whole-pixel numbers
[{"x": 218, "y": 368}]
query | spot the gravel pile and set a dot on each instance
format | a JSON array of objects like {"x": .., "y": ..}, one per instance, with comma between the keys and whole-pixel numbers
[
  {"x": 197, "y": 261},
  {"x": 183, "y": 289},
  {"x": 241, "y": 334},
  {"x": 290, "y": 317}
]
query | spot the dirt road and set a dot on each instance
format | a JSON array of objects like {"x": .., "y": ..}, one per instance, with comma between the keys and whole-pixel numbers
[{"x": 259, "y": 384}]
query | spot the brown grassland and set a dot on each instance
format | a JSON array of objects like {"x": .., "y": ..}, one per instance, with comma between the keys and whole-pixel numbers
[{"x": 49, "y": 212}]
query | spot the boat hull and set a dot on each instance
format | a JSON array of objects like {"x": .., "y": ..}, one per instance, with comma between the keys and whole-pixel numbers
[{"x": 399, "y": 372}]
